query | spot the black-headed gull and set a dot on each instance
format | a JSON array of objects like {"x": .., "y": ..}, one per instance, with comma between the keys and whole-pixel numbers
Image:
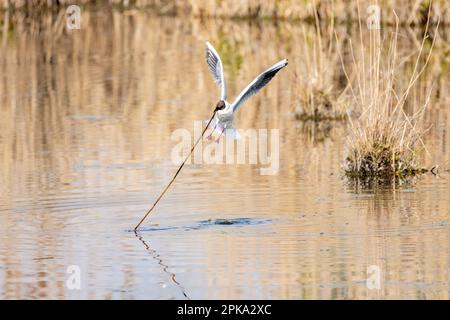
[
  {"x": 223, "y": 120},
  {"x": 224, "y": 112}
]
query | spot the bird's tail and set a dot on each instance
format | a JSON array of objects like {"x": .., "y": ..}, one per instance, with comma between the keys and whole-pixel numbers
[{"x": 232, "y": 133}]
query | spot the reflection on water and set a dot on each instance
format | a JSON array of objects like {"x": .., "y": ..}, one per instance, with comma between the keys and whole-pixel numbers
[
  {"x": 85, "y": 142},
  {"x": 164, "y": 267}
]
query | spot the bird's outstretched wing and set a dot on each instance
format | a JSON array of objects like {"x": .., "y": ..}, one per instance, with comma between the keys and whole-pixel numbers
[
  {"x": 258, "y": 83},
  {"x": 216, "y": 68}
]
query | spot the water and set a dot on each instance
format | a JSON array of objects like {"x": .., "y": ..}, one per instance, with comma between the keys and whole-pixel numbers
[{"x": 85, "y": 147}]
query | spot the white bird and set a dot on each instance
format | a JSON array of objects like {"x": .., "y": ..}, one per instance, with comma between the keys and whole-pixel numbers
[{"x": 223, "y": 120}]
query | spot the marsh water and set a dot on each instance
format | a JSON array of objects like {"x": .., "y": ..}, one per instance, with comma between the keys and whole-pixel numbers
[{"x": 86, "y": 123}]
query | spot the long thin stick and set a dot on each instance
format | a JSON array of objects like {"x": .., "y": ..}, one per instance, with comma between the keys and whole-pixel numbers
[{"x": 176, "y": 174}]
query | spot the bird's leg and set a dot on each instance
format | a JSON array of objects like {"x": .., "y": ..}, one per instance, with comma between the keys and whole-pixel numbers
[
  {"x": 209, "y": 137},
  {"x": 217, "y": 140}
]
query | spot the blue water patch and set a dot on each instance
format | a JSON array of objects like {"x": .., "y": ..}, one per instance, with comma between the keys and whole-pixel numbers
[
  {"x": 203, "y": 224},
  {"x": 233, "y": 222},
  {"x": 443, "y": 223}
]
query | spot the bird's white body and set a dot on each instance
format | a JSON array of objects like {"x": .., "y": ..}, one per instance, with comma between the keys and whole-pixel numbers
[
  {"x": 226, "y": 115},
  {"x": 223, "y": 122}
]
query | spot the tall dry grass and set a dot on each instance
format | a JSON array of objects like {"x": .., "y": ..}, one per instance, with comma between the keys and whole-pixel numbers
[
  {"x": 318, "y": 96},
  {"x": 410, "y": 12},
  {"x": 385, "y": 140}
]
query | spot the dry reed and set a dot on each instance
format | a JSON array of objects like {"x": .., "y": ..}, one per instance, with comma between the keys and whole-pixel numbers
[
  {"x": 317, "y": 95},
  {"x": 384, "y": 141},
  {"x": 411, "y": 12}
]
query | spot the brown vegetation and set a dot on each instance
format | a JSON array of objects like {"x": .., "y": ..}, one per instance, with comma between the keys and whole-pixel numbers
[{"x": 384, "y": 140}]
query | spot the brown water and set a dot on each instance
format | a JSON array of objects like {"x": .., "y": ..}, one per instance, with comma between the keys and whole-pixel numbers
[{"x": 85, "y": 145}]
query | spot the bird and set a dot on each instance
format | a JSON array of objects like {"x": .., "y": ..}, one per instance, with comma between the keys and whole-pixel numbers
[{"x": 224, "y": 117}]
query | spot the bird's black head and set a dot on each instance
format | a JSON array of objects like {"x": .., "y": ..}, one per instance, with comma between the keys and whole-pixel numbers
[{"x": 220, "y": 105}]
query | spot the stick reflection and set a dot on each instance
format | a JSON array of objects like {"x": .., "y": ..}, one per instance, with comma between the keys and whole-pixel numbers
[{"x": 165, "y": 267}]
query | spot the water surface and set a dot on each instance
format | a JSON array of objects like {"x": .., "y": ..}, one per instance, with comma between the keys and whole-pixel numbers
[{"x": 85, "y": 147}]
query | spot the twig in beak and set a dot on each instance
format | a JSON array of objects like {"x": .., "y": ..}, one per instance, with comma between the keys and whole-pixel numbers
[{"x": 178, "y": 171}]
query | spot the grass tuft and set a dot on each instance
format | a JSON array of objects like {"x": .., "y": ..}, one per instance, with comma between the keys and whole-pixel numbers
[
  {"x": 385, "y": 139},
  {"x": 317, "y": 97},
  {"x": 383, "y": 163}
]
